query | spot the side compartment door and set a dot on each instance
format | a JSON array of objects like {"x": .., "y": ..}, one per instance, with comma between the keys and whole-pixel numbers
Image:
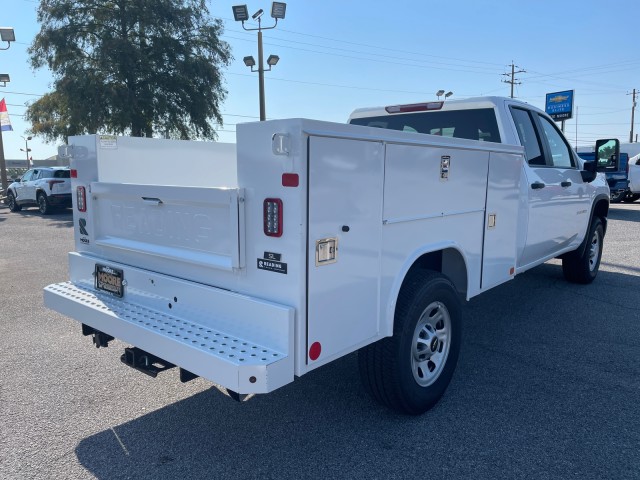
[
  {"x": 558, "y": 199},
  {"x": 344, "y": 241}
]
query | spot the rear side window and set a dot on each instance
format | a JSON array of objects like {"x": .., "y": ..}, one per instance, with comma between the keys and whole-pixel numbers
[
  {"x": 62, "y": 174},
  {"x": 478, "y": 124}
]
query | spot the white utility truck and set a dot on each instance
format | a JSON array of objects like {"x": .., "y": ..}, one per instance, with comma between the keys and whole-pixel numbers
[{"x": 311, "y": 240}]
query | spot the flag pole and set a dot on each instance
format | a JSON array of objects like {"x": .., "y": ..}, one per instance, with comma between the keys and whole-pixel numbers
[
  {"x": 5, "y": 124},
  {"x": 3, "y": 168}
]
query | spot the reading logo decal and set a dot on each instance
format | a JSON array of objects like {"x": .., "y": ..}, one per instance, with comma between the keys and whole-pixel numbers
[
  {"x": 272, "y": 263},
  {"x": 82, "y": 224}
]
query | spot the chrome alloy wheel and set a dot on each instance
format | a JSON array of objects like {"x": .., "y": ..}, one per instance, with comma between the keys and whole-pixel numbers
[
  {"x": 594, "y": 251},
  {"x": 431, "y": 344}
]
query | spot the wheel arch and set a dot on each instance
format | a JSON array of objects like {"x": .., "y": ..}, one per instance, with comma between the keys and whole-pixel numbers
[{"x": 448, "y": 260}]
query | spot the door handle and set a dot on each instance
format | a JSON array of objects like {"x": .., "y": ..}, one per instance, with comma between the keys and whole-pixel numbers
[
  {"x": 565, "y": 184},
  {"x": 152, "y": 201},
  {"x": 537, "y": 185}
]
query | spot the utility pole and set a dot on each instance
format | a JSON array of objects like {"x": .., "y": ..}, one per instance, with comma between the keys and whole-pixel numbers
[
  {"x": 633, "y": 110},
  {"x": 512, "y": 76}
]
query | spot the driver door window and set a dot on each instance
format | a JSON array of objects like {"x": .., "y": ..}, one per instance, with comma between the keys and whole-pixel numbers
[{"x": 560, "y": 153}]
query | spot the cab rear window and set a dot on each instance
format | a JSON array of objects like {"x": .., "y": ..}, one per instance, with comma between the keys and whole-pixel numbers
[{"x": 477, "y": 124}]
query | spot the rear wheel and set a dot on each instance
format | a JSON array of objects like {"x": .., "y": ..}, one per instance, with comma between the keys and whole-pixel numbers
[
  {"x": 13, "y": 205},
  {"x": 411, "y": 370},
  {"x": 584, "y": 268},
  {"x": 43, "y": 204}
]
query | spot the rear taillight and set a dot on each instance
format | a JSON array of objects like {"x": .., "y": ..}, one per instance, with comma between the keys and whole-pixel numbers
[
  {"x": 74, "y": 173},
  {"x": 81, "y": 196},
  {"x": 272, "y": 216},
  {"x": 53, "y": 182}
]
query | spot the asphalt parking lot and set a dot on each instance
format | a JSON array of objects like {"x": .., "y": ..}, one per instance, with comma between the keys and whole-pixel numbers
[{"x": 547, "y": 386}]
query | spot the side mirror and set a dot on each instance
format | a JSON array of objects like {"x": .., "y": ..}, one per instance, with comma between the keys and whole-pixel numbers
[
  {"x": 607, "y": 155},
  {"x": 589, "y": 172}
]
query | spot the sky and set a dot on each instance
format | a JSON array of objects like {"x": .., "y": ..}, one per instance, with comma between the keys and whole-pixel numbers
[{"x": 339, "y": 55}]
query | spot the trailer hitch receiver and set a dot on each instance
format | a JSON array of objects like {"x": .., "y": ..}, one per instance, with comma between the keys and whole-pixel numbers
[
  {"x": 100, "y": 339},
  {"x": 144, "y": 362}
]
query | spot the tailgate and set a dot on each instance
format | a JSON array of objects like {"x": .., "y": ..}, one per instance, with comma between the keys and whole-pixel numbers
[{"x": 153, "y": 226}]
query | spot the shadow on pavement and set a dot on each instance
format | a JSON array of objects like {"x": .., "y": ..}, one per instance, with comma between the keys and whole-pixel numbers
[
  {"x": 624, "y": 214},
  {"x": 60, "y": 218}
]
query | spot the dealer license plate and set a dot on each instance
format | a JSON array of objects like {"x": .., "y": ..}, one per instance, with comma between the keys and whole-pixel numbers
[{"x": 109, "y": 280}]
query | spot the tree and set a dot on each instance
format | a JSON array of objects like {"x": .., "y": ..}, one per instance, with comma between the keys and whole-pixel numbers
[{"x": 134, "y": 67}]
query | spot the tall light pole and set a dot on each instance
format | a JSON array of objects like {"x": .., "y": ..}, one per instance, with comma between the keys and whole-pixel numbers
[
  {"x": 241, "y": 14},
  {"x": 26, "y": 149}
]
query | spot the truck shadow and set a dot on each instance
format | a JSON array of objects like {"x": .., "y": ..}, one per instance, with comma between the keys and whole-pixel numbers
[
  {"x": 624, "y": 214},
  {"x": 524, "y": 361}
]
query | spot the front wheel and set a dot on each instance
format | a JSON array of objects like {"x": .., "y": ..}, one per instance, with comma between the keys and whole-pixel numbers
[
  {"x": 411, "y": 370},
  {"x": 584, "y": 268},
  {"x": 13, "y": 204}
]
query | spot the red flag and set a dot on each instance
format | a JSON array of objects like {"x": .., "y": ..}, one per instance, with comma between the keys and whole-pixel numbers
[{"x": 5, "y": 122}]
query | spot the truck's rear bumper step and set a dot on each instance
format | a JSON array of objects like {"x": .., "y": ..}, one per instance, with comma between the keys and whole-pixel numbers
[{"x": 236, "y": 363}]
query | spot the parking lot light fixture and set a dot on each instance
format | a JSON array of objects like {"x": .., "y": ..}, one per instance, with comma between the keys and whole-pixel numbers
[
  {"x": 7, "y": 35},
  {"x": 241, "y": 14},
  {"x": 26, "y": 149},
  {"x": 4, "y": 79},
  {"x": 278, "y": 9},
  {"x": 447, "y": 95}
]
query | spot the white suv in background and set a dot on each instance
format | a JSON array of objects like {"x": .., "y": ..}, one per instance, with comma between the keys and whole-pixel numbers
[{"x": 45, "y": 188}]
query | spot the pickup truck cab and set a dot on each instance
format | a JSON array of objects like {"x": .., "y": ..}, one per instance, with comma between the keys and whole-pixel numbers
[
  {"x": 309, "y": 240},
  {"x": 634, "y": 179}
]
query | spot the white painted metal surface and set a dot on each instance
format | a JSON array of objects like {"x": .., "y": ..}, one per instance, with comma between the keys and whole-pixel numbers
[
  {"x": 345, "y": 182},
  {"x": 634, "y": 174},
  {"x": 222, "y": 336}
]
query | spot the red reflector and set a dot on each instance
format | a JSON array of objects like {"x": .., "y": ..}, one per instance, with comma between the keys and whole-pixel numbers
[
  {"x": 81, "y": 199},
  {"x": 315, "y": 350},
  {"x": 272, "y": 217},
  {"x": 74, "y": 173},
  {"x": 414, "y": 107},
  {"x": 290, "y": 180}
]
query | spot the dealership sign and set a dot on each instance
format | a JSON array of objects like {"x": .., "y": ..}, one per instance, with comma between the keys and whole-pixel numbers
[{"x": 559, "y": 105}]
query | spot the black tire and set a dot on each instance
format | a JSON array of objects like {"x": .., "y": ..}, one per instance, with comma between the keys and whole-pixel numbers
[
  {"x": 43, "y": 204},
  {"x": 397, "y": 371},
  {"x": 617, "y": 197},
  {"x": 584, "y": 268},
  {"x": 11, "y": 201},
  {"x": 631, "y": 197}
]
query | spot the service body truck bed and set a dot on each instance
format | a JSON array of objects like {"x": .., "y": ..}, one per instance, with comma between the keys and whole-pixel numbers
[{"x": 313, "y": 240}]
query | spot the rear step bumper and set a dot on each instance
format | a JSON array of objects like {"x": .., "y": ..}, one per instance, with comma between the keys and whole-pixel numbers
[{"x": 237, "y": 362}]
